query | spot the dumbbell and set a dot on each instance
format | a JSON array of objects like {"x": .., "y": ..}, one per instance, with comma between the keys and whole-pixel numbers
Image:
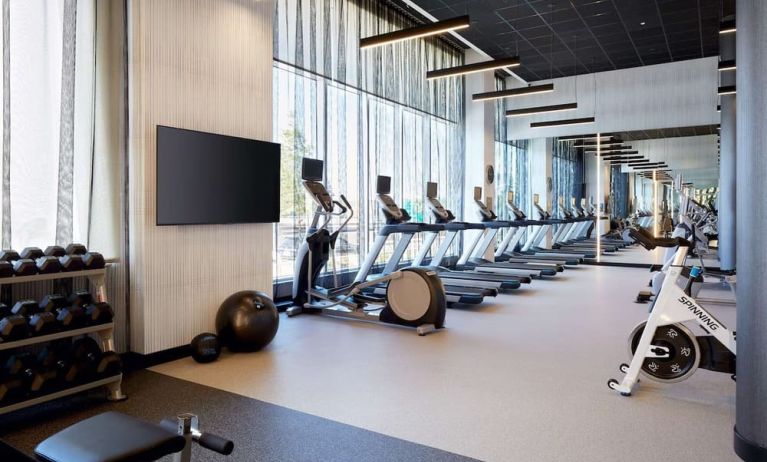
[
  {"x": 46, "y": 264},
  {"x": 94, "y": 260},
  {"x": 12, "y": 326},
  {"x": 12, "y": 386},
  {"x": 55, "y": 359},
  {"x": 40, "y": 322},
  {"x": 35, "y": 380},
  {"x": 68, "y": 316},
  {"x": 6, "y": 269},
  {"x": 86, "y": 357},
  {"x": 76, "y": 249},
  {"x": 99, "y": 313},
  {"x": 21, "y": 266},
  {"x": 55, "y": 251},
  {"x": 72, "y": 263}
]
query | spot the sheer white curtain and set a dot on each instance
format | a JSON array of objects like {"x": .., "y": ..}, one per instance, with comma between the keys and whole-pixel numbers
[{"x": 48, "y": 115}]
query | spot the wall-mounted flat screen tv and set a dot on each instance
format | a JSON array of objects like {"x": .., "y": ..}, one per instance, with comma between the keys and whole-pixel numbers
[{"x": 205, "y": 178}]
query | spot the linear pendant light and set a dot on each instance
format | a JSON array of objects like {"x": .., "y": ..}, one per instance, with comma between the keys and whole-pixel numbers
[
  {"x": 626, "y": 159},
  {"x": 726, "y": 90},
  {"x": 558, "y": 123},
  {"x": 426, "y": 30},
  {"x": 585, "y": 137},
  {"x": 617, "y": 153},
  {"x": 604, "y": 144},
  {"x": 727, "y": 65},
  {"x": 541, "y": 109},
  {"x": 727, "y": 27},
  {"x": 522, "y": 91},
  {"x": 620, "y": 147},
  {"x": 472, "y": 68}
]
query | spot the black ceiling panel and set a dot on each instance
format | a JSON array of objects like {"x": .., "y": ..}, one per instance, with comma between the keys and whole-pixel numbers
[{"x": 550, "y": 36}]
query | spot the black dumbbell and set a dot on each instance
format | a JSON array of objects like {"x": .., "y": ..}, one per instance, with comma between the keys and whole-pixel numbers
[
  {"x": 72, "y": 263},
  {"x": 9, "y": 255},
  {"x": 48, "y": 264},
  {"x": 76, "y": 249},
  {"x": 68, "y": 316},
  {"x": 36, "y": 380},
  {"x": 12, "y": 386},
  {"x": 40, "y": 322},
  {"x": 31, "y": 253},
  {"x": 12, "y": 326},
  {"x": 85, "y": 356},
  {"x": 109, "y": 365},
  {"x": 99, "y": 313},
  {"x": 55, "y": 251},
  {"x": 54, "y": 359},
  {"x": 80, "y": 298},
  {"x": 94, "y": 260},
  {"x": 24, "y": 267},
  {"x": 6, "y": 269}
]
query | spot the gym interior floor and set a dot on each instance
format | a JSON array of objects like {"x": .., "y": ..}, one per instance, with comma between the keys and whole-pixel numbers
[{"x": 523, "y": 378}]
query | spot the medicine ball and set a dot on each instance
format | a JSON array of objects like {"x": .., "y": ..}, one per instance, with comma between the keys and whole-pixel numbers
[
  {"x": 205, "y": 348},
  {"x": 247, "y": 321}
]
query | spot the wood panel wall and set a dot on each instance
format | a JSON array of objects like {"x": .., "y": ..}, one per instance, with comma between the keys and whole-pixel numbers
[{"x": 203, "y": 65}]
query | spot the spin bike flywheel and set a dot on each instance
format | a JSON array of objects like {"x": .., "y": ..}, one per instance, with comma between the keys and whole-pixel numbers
[{"x": 676, "y": 349}]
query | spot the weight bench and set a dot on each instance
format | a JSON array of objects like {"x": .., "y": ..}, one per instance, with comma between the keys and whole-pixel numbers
[{"x": 116, "y": 437}]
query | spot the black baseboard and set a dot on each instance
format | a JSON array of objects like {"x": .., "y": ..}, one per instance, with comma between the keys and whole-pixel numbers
[
  {"x": 136, "y": 361},
  {"x": 617, "y": 264},
  {"x": 748, "y": 450}
]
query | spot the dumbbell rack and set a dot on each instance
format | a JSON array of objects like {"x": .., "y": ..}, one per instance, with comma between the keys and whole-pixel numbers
[{"x": 97, "y": 279}]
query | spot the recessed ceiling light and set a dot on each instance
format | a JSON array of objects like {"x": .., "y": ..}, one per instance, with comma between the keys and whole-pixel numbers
[{"x": 642, "y": 23}]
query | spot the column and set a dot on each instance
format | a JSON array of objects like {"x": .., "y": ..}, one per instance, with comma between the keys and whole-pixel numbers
[
  {"x": 727, "y": 160},
  {"x": 751, "y": 168}
]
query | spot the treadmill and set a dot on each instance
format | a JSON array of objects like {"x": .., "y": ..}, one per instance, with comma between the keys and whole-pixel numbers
[
  {"x": 473, "y": 257},
  {"x": 506, "y": 250},
  {"x": 534, "y": 243},
  {"x": 445, "y": 218},
  {"x": 397, "y": 223}
]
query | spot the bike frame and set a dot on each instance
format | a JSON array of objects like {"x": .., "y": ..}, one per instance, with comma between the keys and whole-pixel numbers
[{"x": 672, "y": 306}]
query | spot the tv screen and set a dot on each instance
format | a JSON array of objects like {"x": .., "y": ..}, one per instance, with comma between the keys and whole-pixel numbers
[{"x": 204, "y": 178}]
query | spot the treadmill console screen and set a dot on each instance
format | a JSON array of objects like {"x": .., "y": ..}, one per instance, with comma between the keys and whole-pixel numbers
[
  {"x": 383, "y": 184},
  {"x": 320, "y": 195},
  {"x": 312, "y": 169},
  {"x": 431, "y": 190}
]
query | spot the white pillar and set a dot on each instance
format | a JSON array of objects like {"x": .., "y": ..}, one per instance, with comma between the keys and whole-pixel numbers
[{"x": 480, "y": 144}]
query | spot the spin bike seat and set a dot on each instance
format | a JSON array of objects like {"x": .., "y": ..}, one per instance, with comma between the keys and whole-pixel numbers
[
  {"x": 651, "y": 243},
  {"x": 113, "y": 437}
]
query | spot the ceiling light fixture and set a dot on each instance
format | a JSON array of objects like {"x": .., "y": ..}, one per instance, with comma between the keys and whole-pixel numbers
[
  {"x": 727, "y": 65},
  {"x": 522, "y": 91},
  {"x": 726, "y": 90},
  {"x": 473, "y": 68},
  {"x": 541, "y": 109},
  {"x": 426, "y": 30},
  {"x": 563, "y": 122},
  {"x": 586, "y": 137},
  {"x": 727, "y": 27}
]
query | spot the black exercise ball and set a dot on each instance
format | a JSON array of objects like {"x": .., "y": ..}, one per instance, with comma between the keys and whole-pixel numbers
[
  {"x": 206, "y": 348},
  {"x": 247, "y": 321}
]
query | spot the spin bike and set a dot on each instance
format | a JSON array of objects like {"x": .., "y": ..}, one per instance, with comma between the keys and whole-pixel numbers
[
  {"x": 413, "y": 297},
  {"x": 663, "y": 348}
]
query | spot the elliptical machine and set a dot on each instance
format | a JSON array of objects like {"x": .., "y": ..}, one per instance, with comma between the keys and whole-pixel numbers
[{"x": 414, "y": 297}]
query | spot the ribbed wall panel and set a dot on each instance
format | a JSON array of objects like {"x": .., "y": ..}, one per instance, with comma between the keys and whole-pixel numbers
[{"x": 203, "y": 65}]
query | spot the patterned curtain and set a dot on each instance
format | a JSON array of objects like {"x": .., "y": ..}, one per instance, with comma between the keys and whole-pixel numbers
[
  {"x": 619, "y": 189},
  {"x": 48, "y": 72},
  {"x": 511, "y": 163},
  {"x": 567, "y": 174},
  {"x": 366, "y": 113}
]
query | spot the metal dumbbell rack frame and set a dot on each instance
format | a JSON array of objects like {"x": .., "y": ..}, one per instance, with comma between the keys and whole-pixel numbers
[{"x": 97, "y": 280}]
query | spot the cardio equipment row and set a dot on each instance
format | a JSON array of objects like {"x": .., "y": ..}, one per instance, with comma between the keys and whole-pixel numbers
[{"x": 415, "y": 294}]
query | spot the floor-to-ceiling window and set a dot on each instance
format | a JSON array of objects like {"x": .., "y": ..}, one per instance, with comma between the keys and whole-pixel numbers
[
  {"x": 365, "y": 113},
  {"x": 567, "y": 175},
  {"x": 512, "y": 164},
  {"x": 619, "y": 193}
]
